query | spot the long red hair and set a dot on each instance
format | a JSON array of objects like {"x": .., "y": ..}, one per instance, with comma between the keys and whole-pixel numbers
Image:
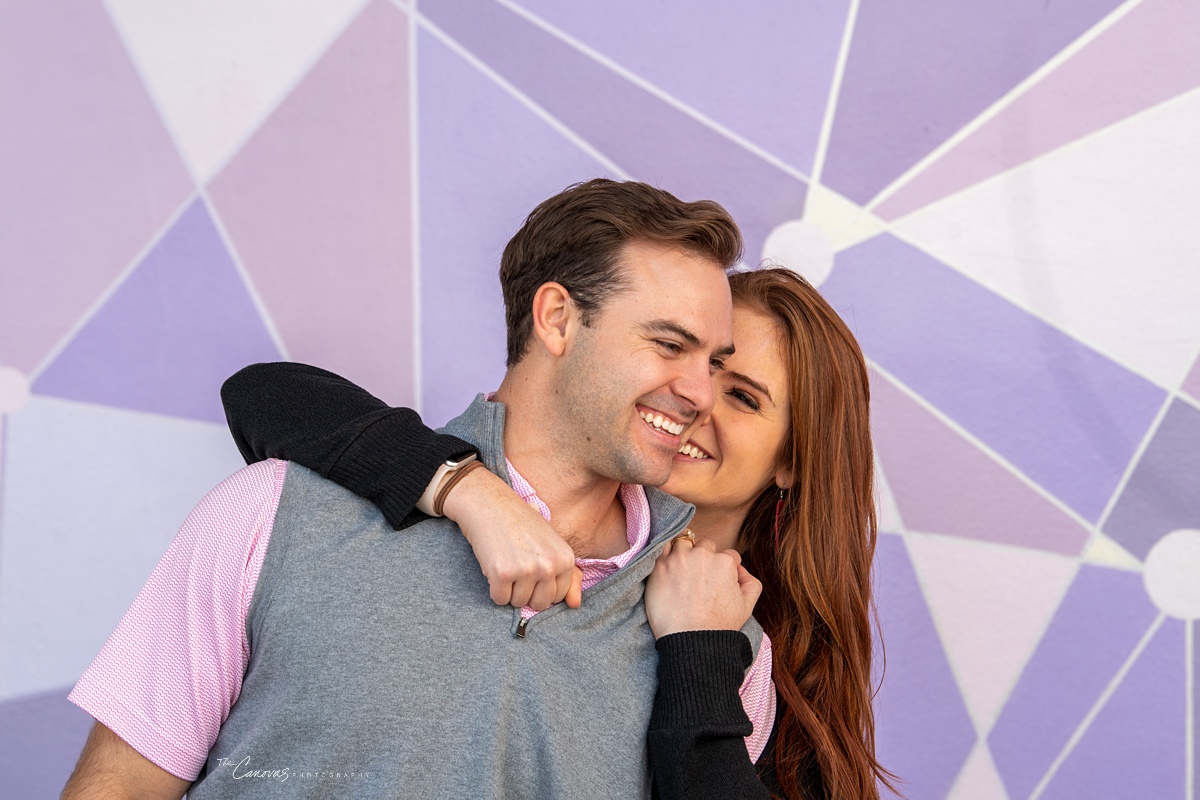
[{"x": 816, "y": 603}]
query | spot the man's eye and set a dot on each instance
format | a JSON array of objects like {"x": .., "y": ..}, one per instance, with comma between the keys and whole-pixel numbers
[
  {"x": 744, "y": 398},
  {"x": 671, "y": 347}
]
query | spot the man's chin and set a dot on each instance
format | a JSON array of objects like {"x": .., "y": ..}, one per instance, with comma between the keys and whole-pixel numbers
[{"x": 648, "y": 474}]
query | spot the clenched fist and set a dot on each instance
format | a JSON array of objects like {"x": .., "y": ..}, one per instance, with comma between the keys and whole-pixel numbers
[{"x": 695, "y": 588}]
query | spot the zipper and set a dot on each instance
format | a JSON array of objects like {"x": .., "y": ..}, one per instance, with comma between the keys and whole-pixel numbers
[{"x": 523, "y": 625}]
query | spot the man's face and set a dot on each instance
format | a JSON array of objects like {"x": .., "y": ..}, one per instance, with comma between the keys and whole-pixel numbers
[{"x": 641, "y": 374}]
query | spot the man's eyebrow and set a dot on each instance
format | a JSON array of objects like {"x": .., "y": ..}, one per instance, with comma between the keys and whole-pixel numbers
[
  {"x": 740, "y": 378},
  {"x": 667, "y": 326}
]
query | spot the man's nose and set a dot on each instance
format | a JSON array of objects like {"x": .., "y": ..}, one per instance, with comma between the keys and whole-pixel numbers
[{"x": 695, "y": 386}]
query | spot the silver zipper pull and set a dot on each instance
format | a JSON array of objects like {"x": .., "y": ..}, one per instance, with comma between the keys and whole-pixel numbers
[{"x": 521, "y": 626}]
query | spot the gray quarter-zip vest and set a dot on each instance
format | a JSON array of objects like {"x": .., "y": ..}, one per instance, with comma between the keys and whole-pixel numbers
[{"x": 379, "y": 667}]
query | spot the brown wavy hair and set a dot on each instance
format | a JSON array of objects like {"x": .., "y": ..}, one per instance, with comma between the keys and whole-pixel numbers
[
  {"x": 576, "y": 238},
  {"x": 816, "y": 603}
]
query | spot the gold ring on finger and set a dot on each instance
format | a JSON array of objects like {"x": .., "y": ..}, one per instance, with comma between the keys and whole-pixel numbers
[{"x": 687, "y": 534}]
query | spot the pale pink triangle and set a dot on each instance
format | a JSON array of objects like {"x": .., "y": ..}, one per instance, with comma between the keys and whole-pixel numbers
[
  {"x": 318, "y": 205},
  {"x": 88, "y": 173},
  {"x": 979, "y": 779},
  {"x": 990, "y": 604},
  {"x": 1191, "y": 384},
  {"x": 942, "y": 483},
  {"x": 1149, "y": 56}
]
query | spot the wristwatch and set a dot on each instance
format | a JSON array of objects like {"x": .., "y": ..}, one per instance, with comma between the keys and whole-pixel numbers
[{"x": 444, "y": 473}]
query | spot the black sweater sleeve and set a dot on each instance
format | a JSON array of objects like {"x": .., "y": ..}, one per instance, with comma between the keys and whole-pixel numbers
[
  {"x": 698, "y": 725},
  {"x": 339, "y": 430}
]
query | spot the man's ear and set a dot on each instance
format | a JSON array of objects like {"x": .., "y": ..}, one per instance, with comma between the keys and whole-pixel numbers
[{"x": 554, "y": 317}]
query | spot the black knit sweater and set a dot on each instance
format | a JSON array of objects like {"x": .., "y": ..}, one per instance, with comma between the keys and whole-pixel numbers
[{"x": 387, "y": 455}]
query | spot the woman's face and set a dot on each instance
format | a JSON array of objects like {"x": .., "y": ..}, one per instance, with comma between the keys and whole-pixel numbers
[{"x": 739, "y": 444}]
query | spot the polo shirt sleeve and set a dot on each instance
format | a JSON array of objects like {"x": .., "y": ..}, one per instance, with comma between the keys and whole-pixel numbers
[
  {"x": 758, "y": 698},
  {"x": 167, "y": 677}
]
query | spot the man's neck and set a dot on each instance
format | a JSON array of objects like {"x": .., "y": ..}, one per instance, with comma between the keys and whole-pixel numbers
[{"x": 584, "y": 508}]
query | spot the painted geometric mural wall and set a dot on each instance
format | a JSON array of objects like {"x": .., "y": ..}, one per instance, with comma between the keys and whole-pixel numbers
[{"x": 1000, "y": 196}]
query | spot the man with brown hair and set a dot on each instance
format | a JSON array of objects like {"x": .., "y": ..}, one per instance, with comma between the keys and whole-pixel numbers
[{"x": 289, "y": 636}]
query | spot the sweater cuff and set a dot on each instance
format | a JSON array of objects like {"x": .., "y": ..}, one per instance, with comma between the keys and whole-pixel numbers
[
  {"x": 699, "y": 675},
  {"x": 393, "y": 460}
]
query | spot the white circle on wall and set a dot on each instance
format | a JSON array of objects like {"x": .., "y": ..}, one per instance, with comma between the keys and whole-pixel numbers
[
  {"x": 801, "y": 247},
  {"x": 14, "y": 390},
  {"x": 1172, "y": 574}
]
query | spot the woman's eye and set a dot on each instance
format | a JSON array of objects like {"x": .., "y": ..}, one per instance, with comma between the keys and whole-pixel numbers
[{"x": 744, "y": 398}]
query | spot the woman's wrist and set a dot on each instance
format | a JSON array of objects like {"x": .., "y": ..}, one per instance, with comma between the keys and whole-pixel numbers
[
  {"x": 442, "y": 483},
  {"x": 699, "y": 674},
  {"x": 524, "y": 559},
  {"x": 470, "y": 496}
]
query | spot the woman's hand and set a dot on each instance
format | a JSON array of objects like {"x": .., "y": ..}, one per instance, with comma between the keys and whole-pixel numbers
[
  {"x": 525, "y": 561},
  {"x": 695, "y": 588}
]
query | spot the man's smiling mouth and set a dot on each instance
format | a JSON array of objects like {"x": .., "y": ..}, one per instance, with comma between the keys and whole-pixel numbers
[{"x": 659, "y": 422}]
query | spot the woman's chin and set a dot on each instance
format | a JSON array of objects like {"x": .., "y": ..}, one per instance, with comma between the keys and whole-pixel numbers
[
  {"x": 680, "y": 487},
  {"x": 687, "y": 488}
]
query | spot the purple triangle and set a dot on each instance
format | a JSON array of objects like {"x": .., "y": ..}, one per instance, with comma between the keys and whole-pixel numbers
[
  {"x": 1163, "y": 493},
  {"x": 174, "y": 330},
  {"x": 944, "y": 484},
  {"x": 646, "y": 137},
  {"x": 768, "y": 80},
  {"x": 919, "y": 70},
  {"x": 1146, "y": 58},
  {"x": 1135, "y": 746},
  {"x": 922, "y": 730},
  {"x": 1065, "y": 415},
  {"x": 490, "y": 175},
  {"x": 1097, "y": 626},
  {"x": 40, "y": 739}
]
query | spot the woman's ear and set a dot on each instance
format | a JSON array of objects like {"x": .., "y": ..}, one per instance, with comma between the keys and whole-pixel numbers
[
  {"x": 553, "y": 317},
  {"x": 783, "y": 478}
]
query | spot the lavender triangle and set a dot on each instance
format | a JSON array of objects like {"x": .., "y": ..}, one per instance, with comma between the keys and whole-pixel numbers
[{"x": 168, "y": 337}]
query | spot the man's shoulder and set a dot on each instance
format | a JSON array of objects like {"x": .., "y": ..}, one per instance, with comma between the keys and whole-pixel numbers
[
  {"x": 306, "y": 493},
  {"x": 249, "y": 490},
  {"x": 307, "y": 487}
]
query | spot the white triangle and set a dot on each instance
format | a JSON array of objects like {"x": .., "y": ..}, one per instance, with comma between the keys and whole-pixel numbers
[
  {"x": 843, "y": 221},
  {"x": 92, "y": 498},
  {"x": 1105, "y": 552},
  {"x": 979, "y": 779},
  {"x": 991, "y": 604},
  {"x": 1098, "y": 238},
  {"x": 217, "y": 67},
  {"x": 886, "y": 511}
]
